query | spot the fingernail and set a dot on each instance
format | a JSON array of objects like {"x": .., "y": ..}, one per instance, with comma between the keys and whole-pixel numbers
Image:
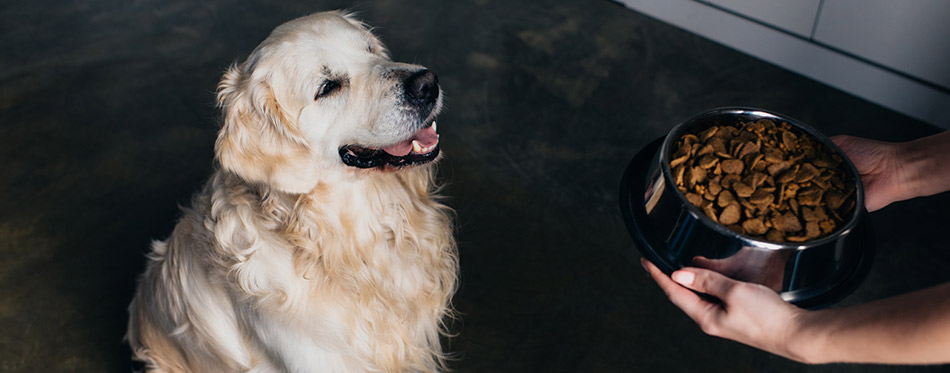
[
  {"x": 684, "y": 277},
  {"x": 643, "y": 263}
]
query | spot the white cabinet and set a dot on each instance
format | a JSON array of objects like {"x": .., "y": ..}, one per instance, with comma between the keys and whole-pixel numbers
[
  {"x": 912, "y": 37},
  {"x": 795, "y": 16},
  {"x": 894, "y": 53}
]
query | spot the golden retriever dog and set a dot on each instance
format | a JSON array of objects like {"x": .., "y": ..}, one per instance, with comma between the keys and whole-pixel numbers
[{"x": 319, "y": 243}]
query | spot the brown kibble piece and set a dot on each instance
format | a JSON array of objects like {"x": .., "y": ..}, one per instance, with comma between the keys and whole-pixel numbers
[
  {"x": 689, "y": 139},
  {"x": 714, "y": 186},
  {"x": 708, "y": 161},
  {"x": 725, "y": 199},
  {"x": 814, "y": 214},
  {"x": 750, "y": 208},
  {"x": 775, "y": 235},
  {"x": 678, "y": 172},
  {"x": 710, "y": 212},
  {"x": 806, "y": 173},
  {"x": 728, "y": 180},
  {"x": 827, "y": 226},
  {"x": 834, "y": 200},
  {"x": 789, "y": 140},
  {"x": 787, "y": 176},
  {"x": 758, "y": 179},
  {"x": 705, "y": 150},
  {"x": 694, "y": 176},
  {"x": 793, "y": 206},
  {"x": 778, "y": 168},
  {"x": 755, "y": 226},
  {"x": 787, "y": 222},
  {"x": 695, "y": 199},
  {"x": 809, "y": 196},
  {"x": 762, "y": 196},
  {"x": 749, "y": 148},
  {"x": 811, "y": 232},
  {"x": 708, "y": 195},
  {"x": 718, "y": 144},
  {"x": 730, "y": 214},
  {"x": 732, "y": 166},
  {"x": 774, "y": 155},
  {"x": 742, "y": 189},
  {"x": 679, "y": 159},
  {"x": 757, "y": 164},
  {"x": 708, "y": 133}
]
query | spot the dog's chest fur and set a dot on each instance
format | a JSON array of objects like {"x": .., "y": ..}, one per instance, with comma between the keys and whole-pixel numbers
[{"x": 356, "y": 276}]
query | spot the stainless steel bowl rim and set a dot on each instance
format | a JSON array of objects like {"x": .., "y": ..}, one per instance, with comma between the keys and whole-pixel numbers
[{"x": 676, "y": 132}]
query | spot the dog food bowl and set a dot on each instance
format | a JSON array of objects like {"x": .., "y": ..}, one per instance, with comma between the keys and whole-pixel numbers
[{"x": 673, "y": 233}]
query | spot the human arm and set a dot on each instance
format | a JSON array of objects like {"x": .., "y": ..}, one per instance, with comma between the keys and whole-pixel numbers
[
  {"x": 908, "y": 329},
  {"x": 894, "y": 171}
]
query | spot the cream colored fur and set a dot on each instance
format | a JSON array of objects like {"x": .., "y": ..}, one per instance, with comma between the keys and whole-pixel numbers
[{"x": 288, "y": 260}]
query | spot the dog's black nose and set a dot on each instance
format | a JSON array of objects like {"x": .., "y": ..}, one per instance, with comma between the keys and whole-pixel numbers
[{"x": 422, "y": 87}]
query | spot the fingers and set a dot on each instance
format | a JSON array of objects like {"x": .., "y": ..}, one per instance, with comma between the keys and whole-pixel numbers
[
  {"x": 674, "y": 291},
  {"x": 705, "y": 281},
  {"x": 695, "y": 307}
]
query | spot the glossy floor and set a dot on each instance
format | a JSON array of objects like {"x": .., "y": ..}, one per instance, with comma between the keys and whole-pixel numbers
[{"x": 107, "y": 122}]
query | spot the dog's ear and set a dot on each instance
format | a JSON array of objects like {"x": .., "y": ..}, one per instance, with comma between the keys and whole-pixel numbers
[{"x": 257, "y": 141}]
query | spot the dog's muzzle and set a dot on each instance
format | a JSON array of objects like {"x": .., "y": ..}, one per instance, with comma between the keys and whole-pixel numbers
[{"x": 421, "y": 94}]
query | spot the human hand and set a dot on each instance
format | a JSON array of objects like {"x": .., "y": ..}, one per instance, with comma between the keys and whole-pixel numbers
[
  {"x": 747, "y": 313},
  {"x": 877, "y": 164}
]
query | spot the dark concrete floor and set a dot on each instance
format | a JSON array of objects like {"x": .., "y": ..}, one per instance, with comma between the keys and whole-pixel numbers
[{"x": 108, "y": 122}]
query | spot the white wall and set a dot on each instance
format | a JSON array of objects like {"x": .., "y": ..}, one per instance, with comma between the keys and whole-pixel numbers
[{"x": 896, "y": 54}]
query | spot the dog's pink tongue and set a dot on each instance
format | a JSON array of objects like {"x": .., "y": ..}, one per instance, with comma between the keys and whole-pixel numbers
[{"x": 427, "y": 137}]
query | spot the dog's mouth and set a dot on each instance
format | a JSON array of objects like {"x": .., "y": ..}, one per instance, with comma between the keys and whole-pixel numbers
[{"x": 422, "y": 147}]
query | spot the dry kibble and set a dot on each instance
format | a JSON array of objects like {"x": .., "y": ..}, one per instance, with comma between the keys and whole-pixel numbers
[
  {"x": 705, "y": 150},
  {"x": 787, "y": 222},
  {"x": 763, "y": 179},
  {"x": 695, "y": 176},
  {"x": 708, "y": 133},
  {"x": 749, "y": 148},
  {"x": 789, "y": 140},
  {"x": 834, "y": 200},
  {"x": 714, "y": 186},
  {"x": 778, "y": 168},
  {"x": 809, "y": 196},
  {"x": 758, "y": 179},
  {"x": 730, "y": 214},
  {"x": 728, "y": 180},
  {"x": 755, "y": 226},
  {"x": 787, "y": 176},
  {"x": 710, "y": 212},
  {"x": 725, "y": 199},
  {"x": 732, "y": 166},
  {"x": 774, "y": 155},
  {"x": 742, "y": 189},
  {"x": 708, "y": 161},
  {"x": 763, "y": 196},
  {"x": 806, "y": 173},
  {"x": 695, "y": 199}
]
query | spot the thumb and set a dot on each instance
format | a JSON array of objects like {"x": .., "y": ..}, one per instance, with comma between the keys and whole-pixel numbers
[{"x": 705, "y": 281}]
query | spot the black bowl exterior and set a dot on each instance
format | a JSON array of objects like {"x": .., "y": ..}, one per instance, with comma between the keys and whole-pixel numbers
[{"x": 676, "y": 234}]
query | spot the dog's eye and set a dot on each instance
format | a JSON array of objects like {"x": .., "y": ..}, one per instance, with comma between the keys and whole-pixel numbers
[{"x": 327, "y": 88}]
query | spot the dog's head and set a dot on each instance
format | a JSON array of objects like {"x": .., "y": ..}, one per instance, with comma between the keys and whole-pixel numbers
[{"x": 320, "y": 97}]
